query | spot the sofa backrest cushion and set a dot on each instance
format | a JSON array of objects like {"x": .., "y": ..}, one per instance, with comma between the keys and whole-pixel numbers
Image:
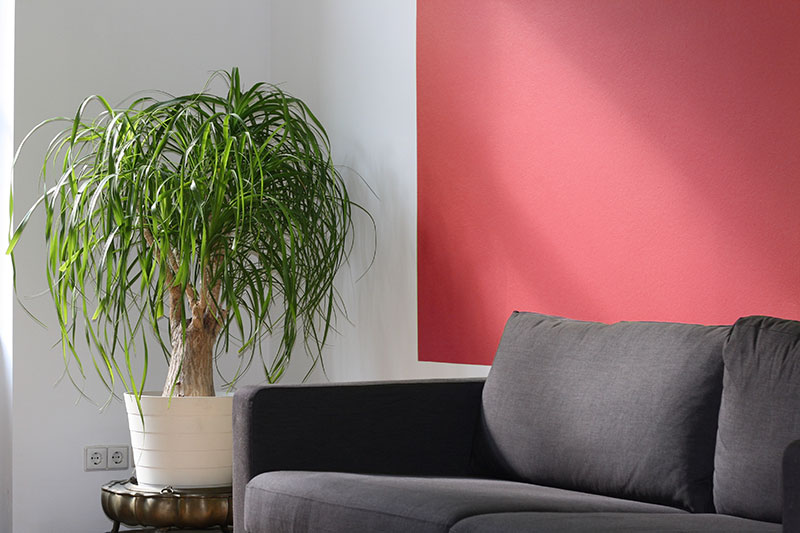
[
  {"x": 759, "y": 416},
  {"x": 627, "y": 409}
]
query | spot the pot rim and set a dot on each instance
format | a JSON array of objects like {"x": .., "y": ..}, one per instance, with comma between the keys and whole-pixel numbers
[{"x": 157, "y": 394}]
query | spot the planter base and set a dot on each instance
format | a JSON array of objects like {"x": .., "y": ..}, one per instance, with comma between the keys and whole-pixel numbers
[{"x": 125, "y": 502}]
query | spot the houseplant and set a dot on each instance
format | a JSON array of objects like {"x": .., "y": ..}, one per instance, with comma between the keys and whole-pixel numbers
[{"x": 206, "y": 219}]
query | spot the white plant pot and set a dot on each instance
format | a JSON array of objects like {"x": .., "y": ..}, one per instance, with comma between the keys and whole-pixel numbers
[{"x": 184, "y": 442}]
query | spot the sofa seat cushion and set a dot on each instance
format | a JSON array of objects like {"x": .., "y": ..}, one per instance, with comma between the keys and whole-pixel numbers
[
  {"x": 628, "y": 410},
  {"x": 610, "y": 523},
  {"x": 328, "y": 501}
]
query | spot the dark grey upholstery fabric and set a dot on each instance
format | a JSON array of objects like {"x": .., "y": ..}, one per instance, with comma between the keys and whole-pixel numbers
[
  {"x": 610, "y": 523},
  {"x": 759, "y": 416},
  {"x": 411, "y": 427},
  {"x": 296, "y": 502},
  {"x": 791, "y": 487},
  {"x": 626, "y": 410}
]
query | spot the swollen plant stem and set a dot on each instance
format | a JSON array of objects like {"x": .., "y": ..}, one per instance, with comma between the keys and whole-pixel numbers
[{"x": 191, "y": 370}]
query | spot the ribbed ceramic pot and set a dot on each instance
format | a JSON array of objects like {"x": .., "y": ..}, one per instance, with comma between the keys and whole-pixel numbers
[{"x": 183, "y": 442}]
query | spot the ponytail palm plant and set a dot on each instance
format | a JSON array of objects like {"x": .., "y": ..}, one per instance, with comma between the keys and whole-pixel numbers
[{"x": 218, "y": 217}]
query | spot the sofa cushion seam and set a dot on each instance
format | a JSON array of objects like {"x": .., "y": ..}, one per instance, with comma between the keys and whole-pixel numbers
[{"x": 315, "y": 500}]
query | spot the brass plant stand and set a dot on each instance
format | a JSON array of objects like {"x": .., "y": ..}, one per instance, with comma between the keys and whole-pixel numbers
[{"x": 125, "y": 502}]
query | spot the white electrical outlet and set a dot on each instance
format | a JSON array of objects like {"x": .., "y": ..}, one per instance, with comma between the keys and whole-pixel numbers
[
  {"x": 95, "y": 458},
  {"x": 117, "y": 457}
]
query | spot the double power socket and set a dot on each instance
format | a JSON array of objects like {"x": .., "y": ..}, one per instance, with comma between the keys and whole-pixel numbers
[{"x": 101, "y": 457}]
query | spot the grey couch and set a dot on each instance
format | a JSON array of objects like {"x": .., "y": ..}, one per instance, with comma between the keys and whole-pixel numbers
[{"x": 580, "y": 426}]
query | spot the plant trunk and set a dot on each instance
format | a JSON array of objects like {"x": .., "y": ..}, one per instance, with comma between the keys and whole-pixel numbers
[{"x": 191, "y": 365}]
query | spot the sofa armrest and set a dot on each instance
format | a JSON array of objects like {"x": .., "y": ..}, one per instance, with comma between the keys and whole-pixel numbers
[
  {"x": 407, "y": 427},
  {"x": 791, "y": 487}
]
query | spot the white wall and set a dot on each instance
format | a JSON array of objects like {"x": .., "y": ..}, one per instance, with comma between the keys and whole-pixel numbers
[
  {"x": 6, "y": 154},
  {"x": 64, "y": 52},
  {"x": 353, "y": 61}
]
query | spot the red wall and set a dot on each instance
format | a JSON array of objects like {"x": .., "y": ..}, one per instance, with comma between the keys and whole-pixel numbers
[{"x": 614, "y": 160}]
